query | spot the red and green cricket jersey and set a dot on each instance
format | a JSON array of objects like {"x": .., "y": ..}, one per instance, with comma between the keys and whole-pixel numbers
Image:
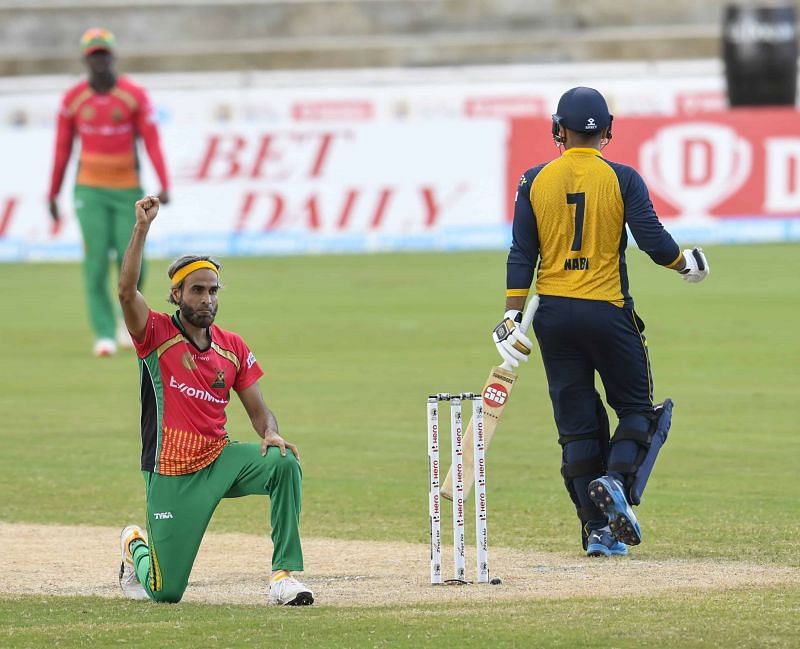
[
  {"x": 107, "y": 125},
  {"x": 184, "y": 392}
]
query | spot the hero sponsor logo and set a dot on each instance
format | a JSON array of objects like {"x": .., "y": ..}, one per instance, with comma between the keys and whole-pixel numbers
[
  {"x": 435, "y": 471},
  {"x": 460, "y": 514},
  {"x": 481, "y": 470},
  {"x": 194, "y": 393},
  {"x": 479, "y": 440},
  {"x": 495, "y": 395}
]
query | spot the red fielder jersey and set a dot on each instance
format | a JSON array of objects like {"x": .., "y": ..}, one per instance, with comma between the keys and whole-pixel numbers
[
  {"x": 184, "y": 392},
  {"x": 107, "y": 125}
]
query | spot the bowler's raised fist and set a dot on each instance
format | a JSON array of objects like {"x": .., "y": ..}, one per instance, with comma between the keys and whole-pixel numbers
[{"x": 146, "y": 210}]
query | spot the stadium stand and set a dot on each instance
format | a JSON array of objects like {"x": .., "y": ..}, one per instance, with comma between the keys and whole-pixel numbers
[{"x": 40, "y": 36}]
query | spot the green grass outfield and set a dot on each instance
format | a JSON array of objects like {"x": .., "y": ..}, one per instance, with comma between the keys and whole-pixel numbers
[{"x": 351, "y": 346}]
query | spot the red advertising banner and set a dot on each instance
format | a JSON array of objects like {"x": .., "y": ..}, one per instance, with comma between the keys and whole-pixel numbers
[{"x": 739, "y": 163}]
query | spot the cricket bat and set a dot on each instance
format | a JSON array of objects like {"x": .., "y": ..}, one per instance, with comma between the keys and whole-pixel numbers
[{"x": 496, "y": 392}]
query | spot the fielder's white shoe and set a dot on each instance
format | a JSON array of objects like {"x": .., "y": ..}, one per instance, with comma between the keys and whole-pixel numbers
[
  {"x": 123, "y": 337},
  {"x": 105, "y": 347},
  {"x": 289, "y": 592},
  {"x": 128, "y": 580}
]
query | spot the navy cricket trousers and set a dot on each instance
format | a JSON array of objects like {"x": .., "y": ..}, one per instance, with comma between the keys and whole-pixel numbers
[{"x": 578, "y": 338}]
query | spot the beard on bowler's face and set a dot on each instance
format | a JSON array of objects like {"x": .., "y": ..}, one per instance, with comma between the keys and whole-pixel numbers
[{"x": 198, "y": 317}]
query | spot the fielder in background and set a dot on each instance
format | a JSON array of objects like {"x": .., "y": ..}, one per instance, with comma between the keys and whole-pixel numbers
[
  {"x": 188, "y": 367},
  {"x": 108, "y": 113},
  {"x": 569, "y": 219}
]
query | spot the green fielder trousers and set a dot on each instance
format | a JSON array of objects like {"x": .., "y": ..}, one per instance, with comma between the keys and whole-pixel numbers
[
  {"x": 106, "y": 217},
  {"x": 179, "y": 509}
]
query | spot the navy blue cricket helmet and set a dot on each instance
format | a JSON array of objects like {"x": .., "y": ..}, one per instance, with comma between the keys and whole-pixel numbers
[{"x": 583, "y": 110}]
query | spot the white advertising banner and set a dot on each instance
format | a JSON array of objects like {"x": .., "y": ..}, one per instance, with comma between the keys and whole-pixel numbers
[
  {"x": 242, "y": 189},
  {"x": 297, "y": 163}
]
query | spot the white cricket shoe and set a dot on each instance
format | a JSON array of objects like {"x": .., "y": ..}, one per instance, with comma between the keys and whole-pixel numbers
[
  {"x": 128, "y": 580},
  {"x": 105, "y": 347},
  {"x": 124, "y": 339},
  {"x": 289, "y": 592}
]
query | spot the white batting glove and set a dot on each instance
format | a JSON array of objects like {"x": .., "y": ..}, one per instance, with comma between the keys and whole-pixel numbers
[
  {"x": 511, "y": 342},
  {"x": 697, "y": 268}
]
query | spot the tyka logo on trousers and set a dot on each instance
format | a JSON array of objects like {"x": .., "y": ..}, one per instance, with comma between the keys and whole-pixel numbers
[{"x": 162, "y": 515}]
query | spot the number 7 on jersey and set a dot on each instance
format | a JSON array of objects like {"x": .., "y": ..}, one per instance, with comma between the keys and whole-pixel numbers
[{"x": 579, "y": 201}]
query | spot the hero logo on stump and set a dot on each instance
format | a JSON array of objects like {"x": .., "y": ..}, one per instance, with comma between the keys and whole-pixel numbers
[{"x": 495, "y": 395}]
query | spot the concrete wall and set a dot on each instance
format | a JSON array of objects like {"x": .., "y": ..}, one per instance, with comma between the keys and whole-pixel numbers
[{"x": 40, "y": 36}]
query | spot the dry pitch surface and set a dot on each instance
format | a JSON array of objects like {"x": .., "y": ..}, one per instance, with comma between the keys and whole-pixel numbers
[{"x": 233, "y": 569}]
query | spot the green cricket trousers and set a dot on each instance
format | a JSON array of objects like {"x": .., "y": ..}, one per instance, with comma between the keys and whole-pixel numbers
[
  {"x": 179, "y": 509},
  {"x": 107, "y": 217}
]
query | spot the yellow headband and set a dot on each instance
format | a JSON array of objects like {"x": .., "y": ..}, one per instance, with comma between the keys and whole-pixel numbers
[{"x": 181, "y": 273}]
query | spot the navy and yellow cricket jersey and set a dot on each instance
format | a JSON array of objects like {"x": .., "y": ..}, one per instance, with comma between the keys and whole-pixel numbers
[{"x": 570, "y": 215}]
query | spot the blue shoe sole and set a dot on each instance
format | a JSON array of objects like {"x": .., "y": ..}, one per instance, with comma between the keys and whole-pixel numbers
[
  {"x": 600, "y": 550},
  {"x": 621, "y": 519}
]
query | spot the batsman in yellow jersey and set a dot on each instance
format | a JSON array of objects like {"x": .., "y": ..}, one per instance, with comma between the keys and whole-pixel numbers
[{"x": 569, "y": 231}]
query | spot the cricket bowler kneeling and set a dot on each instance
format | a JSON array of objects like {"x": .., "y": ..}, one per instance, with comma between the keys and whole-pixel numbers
[{"x": 188, "y": 367}]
